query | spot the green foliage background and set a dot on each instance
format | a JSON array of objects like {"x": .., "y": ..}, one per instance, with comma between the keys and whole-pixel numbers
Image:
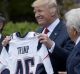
[{"x": 21, "y": 27}]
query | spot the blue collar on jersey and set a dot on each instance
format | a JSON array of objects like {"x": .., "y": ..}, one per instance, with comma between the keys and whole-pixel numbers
[{"x": 18, "y": 34}]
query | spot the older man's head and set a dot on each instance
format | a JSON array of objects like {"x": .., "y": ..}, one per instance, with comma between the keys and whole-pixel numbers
[
  {"x": 73, "y": 23},
  {"x": 45, "y": 11}
]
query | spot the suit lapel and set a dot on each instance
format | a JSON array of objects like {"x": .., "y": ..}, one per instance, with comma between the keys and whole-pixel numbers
[
  {"x": 56, "y": 31},
  {"x": 40, "y": 30}
]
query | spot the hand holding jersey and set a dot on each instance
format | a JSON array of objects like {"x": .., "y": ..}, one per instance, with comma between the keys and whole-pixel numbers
[
  {"x": 6, "y": 40},
  {"x": 26, "y": 53},
  {"x": 45, "y": 40}
]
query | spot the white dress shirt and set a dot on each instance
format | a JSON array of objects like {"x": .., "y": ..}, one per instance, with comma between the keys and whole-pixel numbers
[
  {"x": 0, "y": 36},
  {"x": 78, "y": 39},
  {"x": 51, "y": 29}
]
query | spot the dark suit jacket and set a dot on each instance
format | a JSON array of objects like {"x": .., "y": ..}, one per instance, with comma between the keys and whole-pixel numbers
[
  {"x": 73, "y": 62},
  {"x": 1, "y": 39},
  {"x": 63, "y": 47}
]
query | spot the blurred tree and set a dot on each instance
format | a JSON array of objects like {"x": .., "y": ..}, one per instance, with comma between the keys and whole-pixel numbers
[
  {"x": 65, "y": 5},
  {"x": 4, "y": 8},
  {"x": 21, "y": 10}
]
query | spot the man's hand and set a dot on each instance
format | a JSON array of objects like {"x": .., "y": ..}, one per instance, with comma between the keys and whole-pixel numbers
[
  {"x": 45, "y": 40},
  {"x": 6, "y": 40}
]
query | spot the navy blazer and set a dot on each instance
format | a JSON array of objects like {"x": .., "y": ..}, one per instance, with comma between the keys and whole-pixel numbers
[
  {"x": 73, "y": 61},
  {"x": 1, "y": 39},
  {"x": 63, "y": 47}
]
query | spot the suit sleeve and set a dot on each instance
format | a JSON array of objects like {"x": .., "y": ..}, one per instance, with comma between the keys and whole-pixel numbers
[
  {"x": 73, "y": 61},
  {"x": 65, "y": 49}
]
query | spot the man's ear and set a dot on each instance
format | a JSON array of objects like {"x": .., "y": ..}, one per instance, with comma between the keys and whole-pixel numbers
[
  {"x": 75, "y": 31},
  {"x": 53, "y": 12}
]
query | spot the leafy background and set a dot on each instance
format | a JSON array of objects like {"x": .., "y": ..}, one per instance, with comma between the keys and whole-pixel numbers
[{"x": 21, "y": 27}]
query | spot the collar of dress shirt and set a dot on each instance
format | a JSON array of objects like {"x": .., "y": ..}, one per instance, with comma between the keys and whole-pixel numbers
[
  {"x": 53, "y": 25},
  {"x": 0, "y": 36},
  {"x": 78, "y": 39}
]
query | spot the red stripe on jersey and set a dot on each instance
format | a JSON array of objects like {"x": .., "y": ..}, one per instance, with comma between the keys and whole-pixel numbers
[{"x": 46, "y": 57}]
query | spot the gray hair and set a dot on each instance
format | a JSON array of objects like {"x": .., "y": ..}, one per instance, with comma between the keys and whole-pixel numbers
[
  {"x": 51, "y": 4},
  {"x": 73, "y": 19},
  {"x": 44, "y": 2}
]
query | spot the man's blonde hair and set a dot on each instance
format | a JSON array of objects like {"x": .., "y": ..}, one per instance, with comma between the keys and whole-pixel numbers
[{"x": 44, "y": 2}]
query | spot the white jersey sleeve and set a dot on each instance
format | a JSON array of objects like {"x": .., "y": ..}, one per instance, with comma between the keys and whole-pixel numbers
[
  {"x": 4, "y": 58},
  {"x": 43, "y": 53}
]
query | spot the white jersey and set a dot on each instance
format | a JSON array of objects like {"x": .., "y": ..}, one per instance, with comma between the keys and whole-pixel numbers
[{"x": 25, "y": 54}]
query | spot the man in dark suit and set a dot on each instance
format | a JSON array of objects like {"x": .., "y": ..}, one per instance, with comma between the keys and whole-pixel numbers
[
  {"x": 73, "y": 26},
  {"x": 53, "y": 33}
]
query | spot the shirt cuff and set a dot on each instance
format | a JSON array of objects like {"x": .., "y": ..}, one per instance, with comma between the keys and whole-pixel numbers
[{"x": 52, "y": 48}]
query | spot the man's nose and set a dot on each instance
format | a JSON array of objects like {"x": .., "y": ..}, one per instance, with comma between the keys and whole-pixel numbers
[{"x": 37, "y": 15}]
